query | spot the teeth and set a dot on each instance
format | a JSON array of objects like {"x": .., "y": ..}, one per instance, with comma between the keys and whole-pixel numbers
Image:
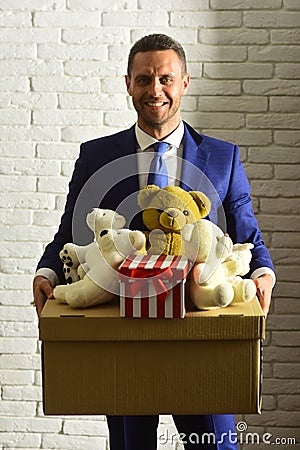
[{"x": 155, "y": 103}]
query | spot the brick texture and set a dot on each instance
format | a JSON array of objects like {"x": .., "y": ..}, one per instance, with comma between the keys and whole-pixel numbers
[{"x": 61, "y": 82}]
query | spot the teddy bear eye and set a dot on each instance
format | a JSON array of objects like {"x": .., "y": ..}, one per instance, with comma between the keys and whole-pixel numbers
[{"x": 185, "y": 212}]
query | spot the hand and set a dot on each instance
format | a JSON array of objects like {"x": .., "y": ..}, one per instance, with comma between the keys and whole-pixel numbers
[
  {"x": 42, "y": 289},
  {"x": 264, "y": 285}
]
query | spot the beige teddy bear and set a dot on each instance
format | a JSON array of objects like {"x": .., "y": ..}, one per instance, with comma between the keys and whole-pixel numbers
[
  {"x": 73, "y": 256},
  {"x": 99, "y": 283},
  {"x": 165, "y": 212},
  {"x": 215, "y": 279}
]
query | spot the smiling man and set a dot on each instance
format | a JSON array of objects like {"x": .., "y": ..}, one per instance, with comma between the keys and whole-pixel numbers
[
  {"x": 156, "y": 82},
  {"x": 157, "y": 78}
]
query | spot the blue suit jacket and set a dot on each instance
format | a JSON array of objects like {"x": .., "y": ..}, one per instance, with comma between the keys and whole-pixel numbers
[{"x": 106, "y": 175}]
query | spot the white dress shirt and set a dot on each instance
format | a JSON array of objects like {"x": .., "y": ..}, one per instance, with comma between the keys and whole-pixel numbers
[{"x": 172, "y": 156}]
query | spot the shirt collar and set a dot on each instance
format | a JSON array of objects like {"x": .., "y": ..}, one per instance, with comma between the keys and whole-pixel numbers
[{"x": 144, "y": 140}]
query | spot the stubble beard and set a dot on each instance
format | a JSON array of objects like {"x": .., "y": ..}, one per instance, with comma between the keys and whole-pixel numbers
[{"x": 152, "y": 121}]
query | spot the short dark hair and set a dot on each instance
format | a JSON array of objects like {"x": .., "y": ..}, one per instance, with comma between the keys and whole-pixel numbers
[{"x": 156, "y": 42}]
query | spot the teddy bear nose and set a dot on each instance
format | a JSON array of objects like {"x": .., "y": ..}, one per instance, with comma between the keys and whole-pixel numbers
[{"x": 172, "y": 213}]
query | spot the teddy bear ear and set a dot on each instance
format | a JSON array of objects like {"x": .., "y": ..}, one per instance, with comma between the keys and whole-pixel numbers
[
  {"x": 146, "y": 194},
  {"x": 118, "y": 221},
  {"x": 202, "y": 201},
  {"x": 223, "y": 247},
  {"x": 187, "y": 232},
  {"x": 138, "y": 240}
]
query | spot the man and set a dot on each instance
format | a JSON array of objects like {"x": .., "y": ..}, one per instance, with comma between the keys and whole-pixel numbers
[{"x": 156, "y": 80}]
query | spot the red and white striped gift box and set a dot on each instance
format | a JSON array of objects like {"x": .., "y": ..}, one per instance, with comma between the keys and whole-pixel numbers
[{"x": 153, "y": 286}]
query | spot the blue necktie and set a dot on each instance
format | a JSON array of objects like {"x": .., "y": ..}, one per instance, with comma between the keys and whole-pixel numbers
[{"x": 158, "y": 172}]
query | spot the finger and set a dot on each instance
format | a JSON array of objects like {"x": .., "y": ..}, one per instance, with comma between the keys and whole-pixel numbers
[
  {"x": 46, "y": 288},
  {"x": 265, "y": 307},
  {"x": 39, "y": 305},
  {"x": 42, "y": 290},
  {"x": 39, "y": 300},
  {"x": 264, "y": 300},
  {"x": 257, "y": 283}
]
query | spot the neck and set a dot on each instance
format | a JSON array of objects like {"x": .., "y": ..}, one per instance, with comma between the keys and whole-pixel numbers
[{"x": 159, "y": 133}]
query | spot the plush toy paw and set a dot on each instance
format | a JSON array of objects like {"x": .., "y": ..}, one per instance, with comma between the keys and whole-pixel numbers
[
  {"x": 82, "y": 270},
  {"x": 70, "y": 274},
  {"x": 244, "y": 291},
  {"x": 233, "y": 265},
  {"x": 223, "y": 295},
  {"x": 157, "y": 241},
  {"x": 68, "y": 256},
  {"x": 86, "y": 294},
  {"x": 243, "y": 253},
  {"x": 60, "y": 292}
]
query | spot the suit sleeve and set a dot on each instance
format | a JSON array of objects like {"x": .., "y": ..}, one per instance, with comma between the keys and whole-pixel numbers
[
  {"x": 50, "y": 258},
  {"x": 241, "y": 223}
]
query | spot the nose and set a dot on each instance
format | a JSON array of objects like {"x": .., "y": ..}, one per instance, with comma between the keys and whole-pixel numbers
[
  {"x": 155, "y": 87},
  {"x": 172, "y": 213}
]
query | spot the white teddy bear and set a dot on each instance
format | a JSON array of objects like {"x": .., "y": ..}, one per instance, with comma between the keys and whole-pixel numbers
[
  {"x": 73, "y": 256},
  {"x": 100, "y": 282},
  {"x": 215, "y": 280}
]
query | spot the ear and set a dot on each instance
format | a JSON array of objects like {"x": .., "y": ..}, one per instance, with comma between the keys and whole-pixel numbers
[
  {"x": 185, "y": 83},
  {"x": 118, "y": 221},
  {"x": 223, "y": 247},
  {"x": 202, "y": 201},
  {"x": 146, "y": 195},
  {"x": 138, "y": 240},
  {"x": 128, "y": 85},
  {"x": 187, "y": 232}
]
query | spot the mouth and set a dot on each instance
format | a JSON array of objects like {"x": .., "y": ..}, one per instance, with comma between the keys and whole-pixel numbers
[{"x": 155, "y": 104}]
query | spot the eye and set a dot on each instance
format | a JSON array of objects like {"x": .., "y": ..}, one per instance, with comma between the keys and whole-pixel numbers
[
  {"x": 166, "y": 80},
  {"x": 185, "y": 212},
  {"x": 142, "y": 80},
  {"x": 160, "y": 211}
]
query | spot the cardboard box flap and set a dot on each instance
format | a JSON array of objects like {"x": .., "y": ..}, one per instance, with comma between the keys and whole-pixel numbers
[{"x": 59, "y": 322}]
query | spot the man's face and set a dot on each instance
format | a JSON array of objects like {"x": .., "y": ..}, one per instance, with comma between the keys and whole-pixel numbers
[{"x": 156, "y": 85}]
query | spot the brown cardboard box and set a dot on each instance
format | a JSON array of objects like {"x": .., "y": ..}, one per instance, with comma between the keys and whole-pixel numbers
[{"x": 95, "y": 362}]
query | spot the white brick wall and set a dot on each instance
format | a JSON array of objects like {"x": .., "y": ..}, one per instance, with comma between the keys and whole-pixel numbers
[{"x": 61, "y": 82}]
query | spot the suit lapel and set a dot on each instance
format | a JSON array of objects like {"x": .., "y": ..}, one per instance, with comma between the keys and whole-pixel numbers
[
  {"x": 123, "y": 196},
  {"x": 195, "y": 169},
  {"x": 124, "y": 152},
  {"x": 195, "y": 160}
]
